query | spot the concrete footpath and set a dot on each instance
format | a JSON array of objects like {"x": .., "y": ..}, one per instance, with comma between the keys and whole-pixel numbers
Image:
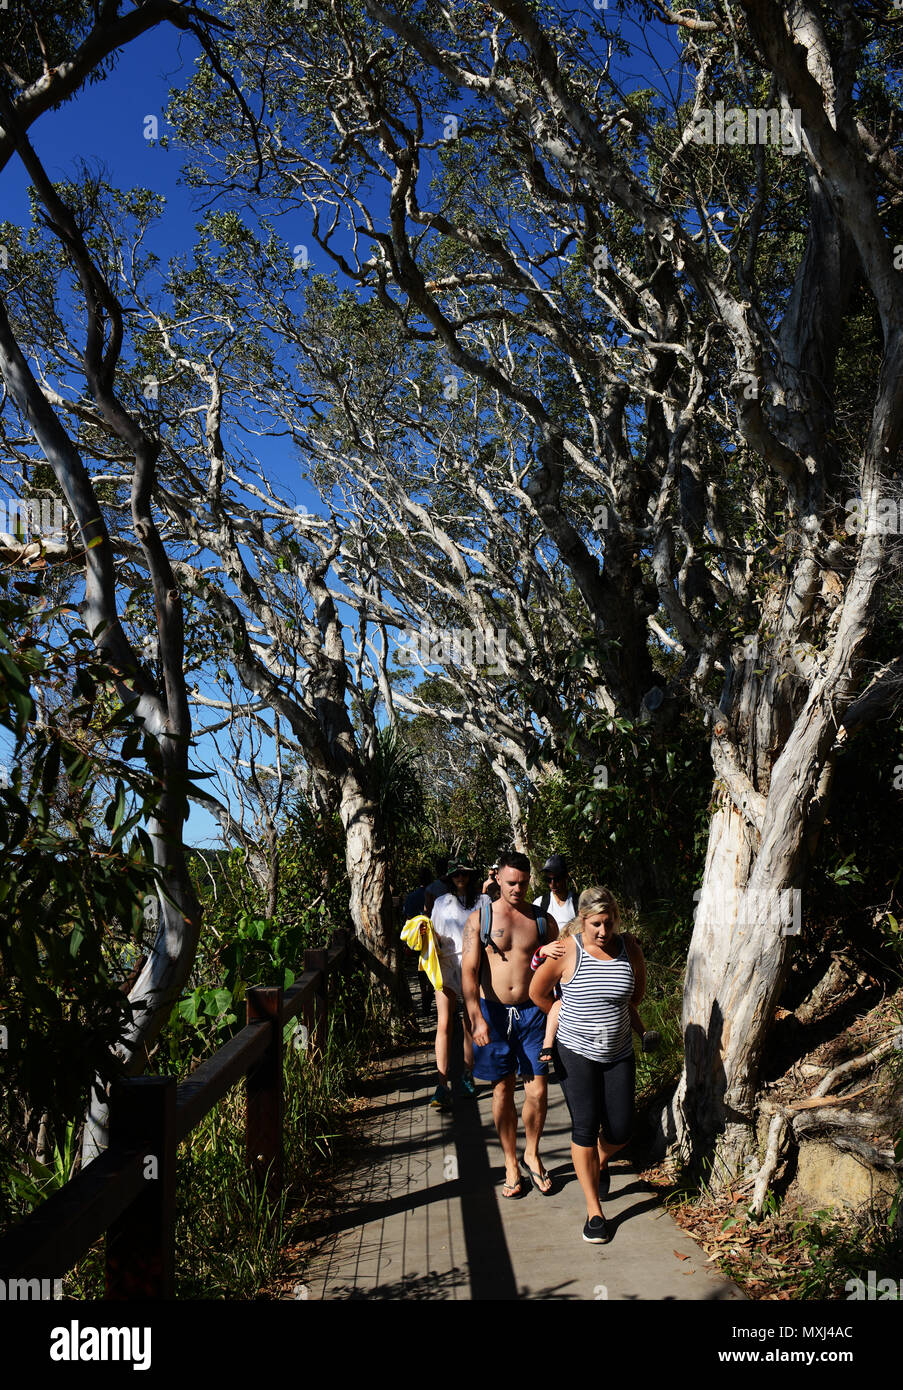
[{"x": 422, "y": 1216}]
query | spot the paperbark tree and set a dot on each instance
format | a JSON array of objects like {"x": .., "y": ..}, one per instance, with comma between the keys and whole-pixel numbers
[
  {"x": 493, "y": 168},
  {"x": 259, "y": 566},
  {"x": 162, "y": 709}
]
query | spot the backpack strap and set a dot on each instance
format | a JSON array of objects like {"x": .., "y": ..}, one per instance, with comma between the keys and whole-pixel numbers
[
  {"x": 544, "y": 901},
  {"x": 485, "y": 920},
  {"x": 486, "y": 924}
]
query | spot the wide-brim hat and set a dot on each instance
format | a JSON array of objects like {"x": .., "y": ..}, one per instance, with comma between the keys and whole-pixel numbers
[{"x": 456, "y": 868}]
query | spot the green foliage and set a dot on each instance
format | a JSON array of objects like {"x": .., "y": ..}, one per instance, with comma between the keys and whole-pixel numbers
[
  {"x": 229, "y": 1242},
  {"x": 463, "y": 808},
  {"x": 661, "y": 1010},
  {"x": 29, "y": 1188},
  {"x": 851, "y": 899},
  {"x": 397, "y": 791},
  {"x": 634, "y": 818},
  {"x": 843, "y": 873},
  {"x": 39, "y": 38},
  {"x": 72, "y": 882},
  {"x": 238, "y": 950},
  {"x": 896, "y": 1206},
  {"x": 838, "y": 1249}
]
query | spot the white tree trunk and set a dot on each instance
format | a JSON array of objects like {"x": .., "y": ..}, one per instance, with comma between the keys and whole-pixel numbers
[
  {"x": 760, "y": 846},
  {"x": 712, "y": 1110},
  {"x": 368, "y": 876},
  {"x": 157, "y": 988},
  {"x": 512, "y": 800}
]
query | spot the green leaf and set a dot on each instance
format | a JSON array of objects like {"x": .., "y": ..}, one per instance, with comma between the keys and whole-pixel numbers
[
  {"x": 217, "y": 1001},
  {"x": 188, "y": 1008}
]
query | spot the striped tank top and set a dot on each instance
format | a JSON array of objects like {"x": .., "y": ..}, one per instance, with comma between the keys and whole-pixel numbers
[{"x": 594, "y": 1020}]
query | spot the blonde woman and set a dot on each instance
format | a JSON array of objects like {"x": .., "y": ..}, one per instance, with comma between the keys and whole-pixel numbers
[
  {"x": 554, "y": 951},
  {"x": 602, "y": 977}
]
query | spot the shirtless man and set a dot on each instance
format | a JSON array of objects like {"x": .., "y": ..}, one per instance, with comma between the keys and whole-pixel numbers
[{"x": 507, "y": 1028}]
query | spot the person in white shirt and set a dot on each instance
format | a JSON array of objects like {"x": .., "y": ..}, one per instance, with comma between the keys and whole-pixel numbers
[
  {"x": 448, "y": 916},
  {"x": 560, "y": 898}
]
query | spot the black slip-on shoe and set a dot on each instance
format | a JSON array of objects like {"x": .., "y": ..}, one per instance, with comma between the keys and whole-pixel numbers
[{"x": 596, "y": 1231}]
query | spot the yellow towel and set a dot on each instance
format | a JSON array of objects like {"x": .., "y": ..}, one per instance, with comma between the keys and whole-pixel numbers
[{"x": 429, "y": 956}]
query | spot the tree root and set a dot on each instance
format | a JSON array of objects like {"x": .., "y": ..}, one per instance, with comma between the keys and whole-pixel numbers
[{"x": 809, "y": 1113}]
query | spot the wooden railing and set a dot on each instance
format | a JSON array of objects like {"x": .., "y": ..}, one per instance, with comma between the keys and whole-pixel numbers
[{"x": 129, "y": 1191}]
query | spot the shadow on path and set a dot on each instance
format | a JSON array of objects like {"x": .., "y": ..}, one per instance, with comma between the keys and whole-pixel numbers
[{"x": 488, "y": 1258}]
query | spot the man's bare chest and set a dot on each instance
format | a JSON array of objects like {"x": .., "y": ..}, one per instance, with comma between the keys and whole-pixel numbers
[{"x": 513, "y": 940}]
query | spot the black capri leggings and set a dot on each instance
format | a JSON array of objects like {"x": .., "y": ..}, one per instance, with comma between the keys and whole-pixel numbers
[{"x": 599, "y": 1095}]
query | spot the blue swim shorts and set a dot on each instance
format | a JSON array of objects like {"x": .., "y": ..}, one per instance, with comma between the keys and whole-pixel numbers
[{"x": 515, "y": 1042}]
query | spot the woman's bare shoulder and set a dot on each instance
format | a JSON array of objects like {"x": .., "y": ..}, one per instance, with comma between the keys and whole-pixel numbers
[{"x": 569, "y": 959}]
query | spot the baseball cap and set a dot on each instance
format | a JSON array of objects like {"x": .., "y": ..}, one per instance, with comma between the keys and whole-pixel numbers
[{"x": 555, "y": 864}]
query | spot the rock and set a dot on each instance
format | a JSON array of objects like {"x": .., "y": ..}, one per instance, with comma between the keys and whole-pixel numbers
[{"x": 828, "y": 1177}]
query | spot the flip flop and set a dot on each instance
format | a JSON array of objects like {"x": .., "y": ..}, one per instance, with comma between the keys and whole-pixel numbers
[
  {"x": 547, "y": 1055},
  {"x": 510, "y": 1190},
  {"x": 538, "y": 1179}
]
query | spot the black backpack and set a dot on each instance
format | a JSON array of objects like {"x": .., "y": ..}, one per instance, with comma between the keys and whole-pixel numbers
[{"x": 486, "y": 924}]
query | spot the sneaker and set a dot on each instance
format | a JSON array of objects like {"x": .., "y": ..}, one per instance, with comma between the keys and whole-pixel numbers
[
  {"x": 596, "y": 1231},
  {"x": 441, "y": 1098},
  {"x": 467, "y": 1085}
]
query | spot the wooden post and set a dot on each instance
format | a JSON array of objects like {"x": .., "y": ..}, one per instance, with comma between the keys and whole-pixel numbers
[
  {"x": 315, "y": 1010},
  {"x": 140, "y": 1251},
  {"x": 339, "y": 938},
  {"x": 263, "y": 1095}
]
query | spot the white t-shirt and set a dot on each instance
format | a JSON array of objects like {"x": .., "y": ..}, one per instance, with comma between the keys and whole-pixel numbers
[
  {"x": 562, "y": 912},
  {"x": 448, "y": 917}
]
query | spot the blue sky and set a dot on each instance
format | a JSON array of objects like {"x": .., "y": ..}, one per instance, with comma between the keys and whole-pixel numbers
[{"x": 97, "y": 129}]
